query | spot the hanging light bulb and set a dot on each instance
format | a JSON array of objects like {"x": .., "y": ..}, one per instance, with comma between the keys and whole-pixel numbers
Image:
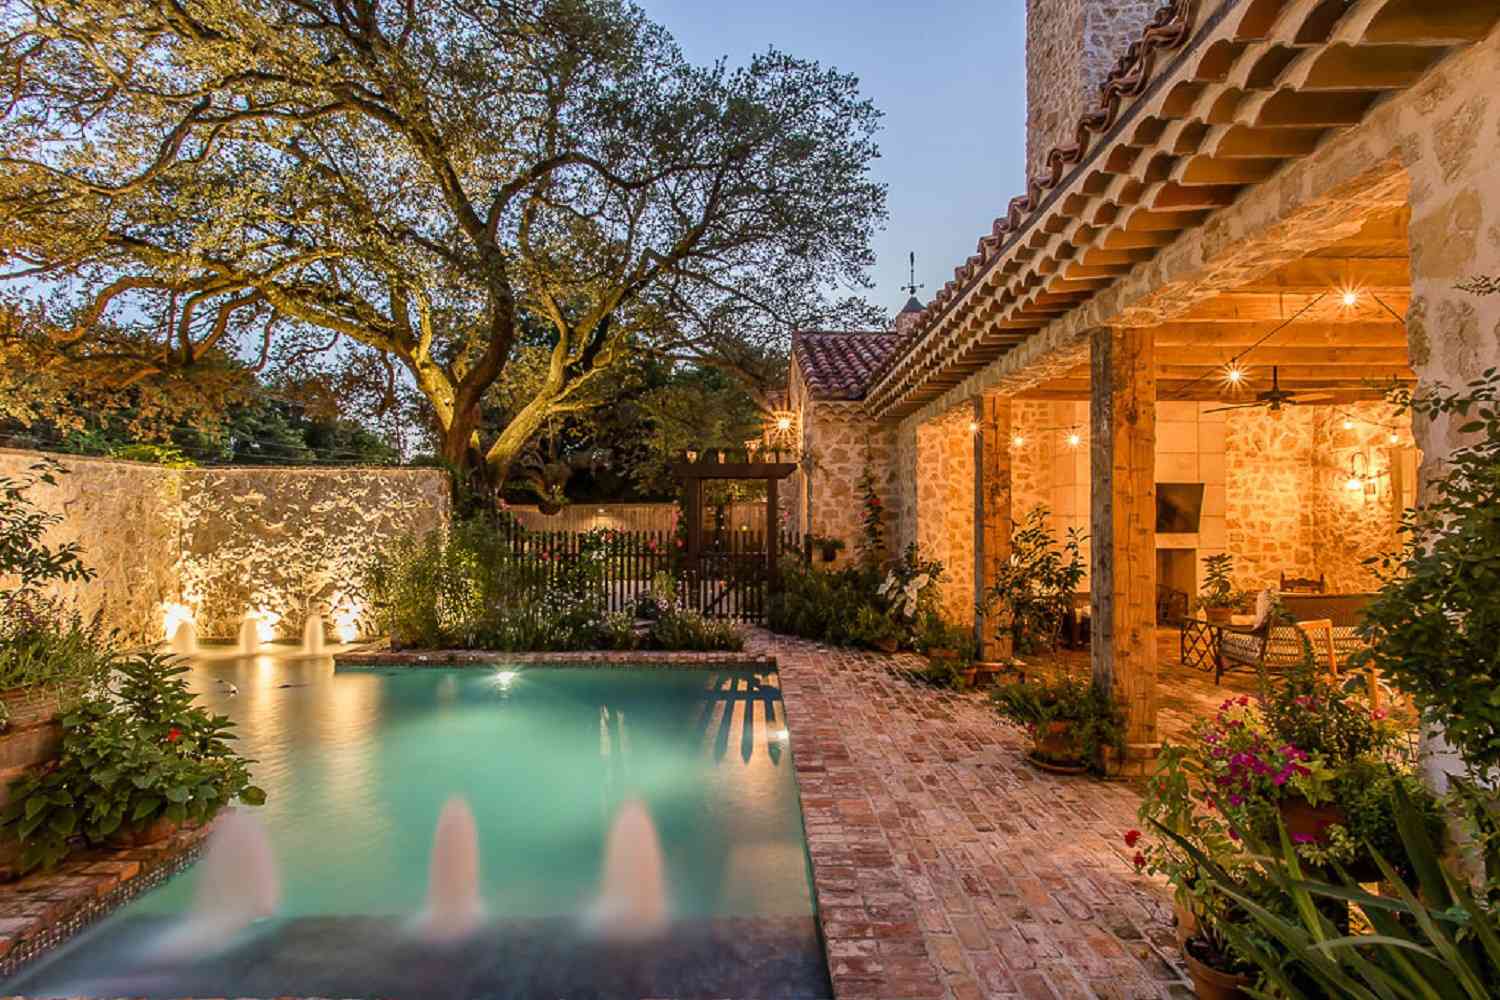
[
  {"x": 1235, "y": 375},
  {"x": 1074, "y": 440},
  {"x": 1348, "y": 424},
  {"x": 1395, "y": 438},
  {"x": 1350, "y": 297}
]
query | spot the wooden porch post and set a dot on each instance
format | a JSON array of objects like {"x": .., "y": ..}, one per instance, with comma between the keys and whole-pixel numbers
[
  {"x": 1123, "y": 471},
  {"x": 773, "y": 537},
  {"x": 992, "y": 515}
]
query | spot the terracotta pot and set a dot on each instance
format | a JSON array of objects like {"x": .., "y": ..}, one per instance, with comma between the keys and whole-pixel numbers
[
  {"x": 1212, "y": 984},
  {"x": 1219, "y": 616},
  {"x": 888, "y": 645},
  {"x": 1303, "y": 819},
  {"x": 154, "y": 832},
  {"x": 34, "y": 706},
  {"x": 942, "y": 654},
  {"x": 1055, "y": 742}
]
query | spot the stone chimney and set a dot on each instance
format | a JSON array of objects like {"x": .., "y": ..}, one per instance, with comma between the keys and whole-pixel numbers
[
  {"x": 908, "y": 316},
  {"x": 1071, "y": 45}
]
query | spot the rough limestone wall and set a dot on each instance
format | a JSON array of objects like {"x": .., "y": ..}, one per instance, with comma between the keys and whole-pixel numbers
[
  {"x": 122, "y": 514},
  {"x": 1350, "y": 526},
  {"x": 945, "y": 503},
  {"x": 1031, "y": 461},
  {"x": 283, "y": 540},
  {"x": 798, "y": 484},
  {"x": 906, "y": 484},
  {"x": 841, "y": 442},
  {"x": 1071, "y": 46},
  {"x": 1270, "y": 476},
  {"x": 1448, "y": 139}
]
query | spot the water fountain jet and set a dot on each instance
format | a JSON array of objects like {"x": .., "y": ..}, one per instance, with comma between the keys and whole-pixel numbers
[
  {"x": 237, "y": 885},
  {"x": 249, "y": 643},
  {"x": 454, "y": 909},
  {"x": 632, "y": 904},
  {"x": 184, "y": 638},
  {"x": 312, "y": 634}
]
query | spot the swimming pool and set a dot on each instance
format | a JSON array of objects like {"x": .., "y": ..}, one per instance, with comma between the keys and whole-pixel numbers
[{"x": 358, "y": 764}]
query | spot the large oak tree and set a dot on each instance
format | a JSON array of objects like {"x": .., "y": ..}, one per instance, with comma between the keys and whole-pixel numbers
[{"x": 415, "y": 178}]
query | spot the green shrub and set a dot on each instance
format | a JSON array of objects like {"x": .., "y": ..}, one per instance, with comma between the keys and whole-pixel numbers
[
  {"x": 1034, "y": 589},
  {"x": 142, "y": 752},
  {"x": 482, "y": 584},
  {"x": 43, "y": 641},
  {"x": 1432, "y": 627},
  {"x": 1095, "y": 720}
]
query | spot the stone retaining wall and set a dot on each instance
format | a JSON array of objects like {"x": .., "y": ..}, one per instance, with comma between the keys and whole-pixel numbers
[{"x": 224, "y": 541}]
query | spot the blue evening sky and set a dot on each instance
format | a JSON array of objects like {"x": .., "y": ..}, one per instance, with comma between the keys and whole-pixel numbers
[{"x": 951, "y": 80}]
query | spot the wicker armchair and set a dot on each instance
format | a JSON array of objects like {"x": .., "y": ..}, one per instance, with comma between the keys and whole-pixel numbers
[{"x": 1278, "y": 647}]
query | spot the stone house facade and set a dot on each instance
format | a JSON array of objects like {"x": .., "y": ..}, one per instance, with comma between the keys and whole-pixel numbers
[{"x": 1246, "y": 221}]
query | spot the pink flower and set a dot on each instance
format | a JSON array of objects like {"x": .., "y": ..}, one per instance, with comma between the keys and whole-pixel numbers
[
  {"x": 1139, "y": 860},
  {"x": 1132, "y": 837}
]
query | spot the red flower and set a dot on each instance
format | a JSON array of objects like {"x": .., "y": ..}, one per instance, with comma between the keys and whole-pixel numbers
[
  {"x": 1132, "y": 837},
  {"x": 1139, "y": 860},
  {"x": 174, "y": 734}
]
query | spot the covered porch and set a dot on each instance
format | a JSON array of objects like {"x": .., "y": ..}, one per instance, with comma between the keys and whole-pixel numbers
[{"x": 1183, "y": 340}]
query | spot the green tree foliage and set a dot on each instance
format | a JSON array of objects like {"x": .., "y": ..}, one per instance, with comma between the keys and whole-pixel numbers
[
  {"x": 411, "y": 184},
  {"x": 1432, "y": 628}
]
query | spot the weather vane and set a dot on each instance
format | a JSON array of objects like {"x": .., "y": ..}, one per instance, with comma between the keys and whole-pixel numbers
[{"x": 911, "y": 287}]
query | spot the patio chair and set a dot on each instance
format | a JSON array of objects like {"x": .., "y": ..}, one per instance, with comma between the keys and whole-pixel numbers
[
  {"x": 1304, "y": 585},
  {"x": 1329, "y": 621}
]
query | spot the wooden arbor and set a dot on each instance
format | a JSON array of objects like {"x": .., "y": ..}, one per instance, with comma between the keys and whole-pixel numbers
[{"x": 694, "y": 473}]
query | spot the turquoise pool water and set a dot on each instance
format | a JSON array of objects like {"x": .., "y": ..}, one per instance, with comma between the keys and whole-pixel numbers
[{"x": 357, "y": 765}]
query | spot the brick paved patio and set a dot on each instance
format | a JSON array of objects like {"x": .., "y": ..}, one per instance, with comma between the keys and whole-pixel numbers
[{"x": 945, "y": 865}]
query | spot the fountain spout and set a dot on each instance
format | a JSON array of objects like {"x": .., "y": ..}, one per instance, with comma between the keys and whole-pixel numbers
[
  {"x": 237, "y": 885},
  {"x": 632, "y": 904},
  {"x": 249, "y": 635},
  {"x": 185, "y": 638},
  {"x": 312, "y": 634},
  {"x": 454, "y": 909}
]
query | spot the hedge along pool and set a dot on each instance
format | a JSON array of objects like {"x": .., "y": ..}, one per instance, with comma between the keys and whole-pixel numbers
[{"x": 636, "y": 832}]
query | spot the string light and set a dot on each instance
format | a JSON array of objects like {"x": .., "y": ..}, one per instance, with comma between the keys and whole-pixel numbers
[
  {"x": 1349, "y": 297},
  {"x": 1234, "y": 374},
  {"x": 1395, "y": 438},
  {"x": 973, "y": 427},
  {"x": 1018, "y": 441},
  {"x": 1074, "y": 440}
]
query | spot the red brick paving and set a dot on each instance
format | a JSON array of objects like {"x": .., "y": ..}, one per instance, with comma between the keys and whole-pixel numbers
[{"x": 945, "y": 865}]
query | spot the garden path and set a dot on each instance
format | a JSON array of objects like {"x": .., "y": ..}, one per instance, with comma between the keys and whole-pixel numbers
[{"x": 945, "y": 865}]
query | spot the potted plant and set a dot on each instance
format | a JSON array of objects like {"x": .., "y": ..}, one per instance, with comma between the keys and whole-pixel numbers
[
  {"x": 1034, "y": 590},
  {"x": 1218, "y": 597},
  {"x": 1071, "y": 721},
  {"x": 828, "y": 546},
  {"x": 136, "y": 764}
]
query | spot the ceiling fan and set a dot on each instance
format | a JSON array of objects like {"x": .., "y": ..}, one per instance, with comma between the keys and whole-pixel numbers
[{"x": 1275, "y": 398}]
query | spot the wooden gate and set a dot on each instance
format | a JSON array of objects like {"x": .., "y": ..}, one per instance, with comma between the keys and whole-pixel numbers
[{"x": 733, "y": 574}]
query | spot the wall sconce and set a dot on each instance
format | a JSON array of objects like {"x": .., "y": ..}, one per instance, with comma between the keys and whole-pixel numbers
[{"x": 781, "y": 429}]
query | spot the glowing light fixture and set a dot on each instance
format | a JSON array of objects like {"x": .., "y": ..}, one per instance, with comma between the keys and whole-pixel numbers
[
  {"x": 1235, "y": 374},
  {"x": 504, "y": 678},
  {"x": 1348, "y": 424},
  {"x": 973, "y": 427},
  {"x": 265, "y": 623},
  {"x": 1395, "y": 438},
  {"x": 1018, "y": 441},
  {"x": 783, "y": 423},
  {"x": 1354, "y": 483},
  {"x": 1349, "y": 297},
  {"x": 174, "y": 616},
  {"x": 1074, "y": 440},
  {"x": 346, "y": 615}
]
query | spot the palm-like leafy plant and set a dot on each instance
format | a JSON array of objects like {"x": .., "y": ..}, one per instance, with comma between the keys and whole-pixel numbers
[{"x": 1435, "y": 940}]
